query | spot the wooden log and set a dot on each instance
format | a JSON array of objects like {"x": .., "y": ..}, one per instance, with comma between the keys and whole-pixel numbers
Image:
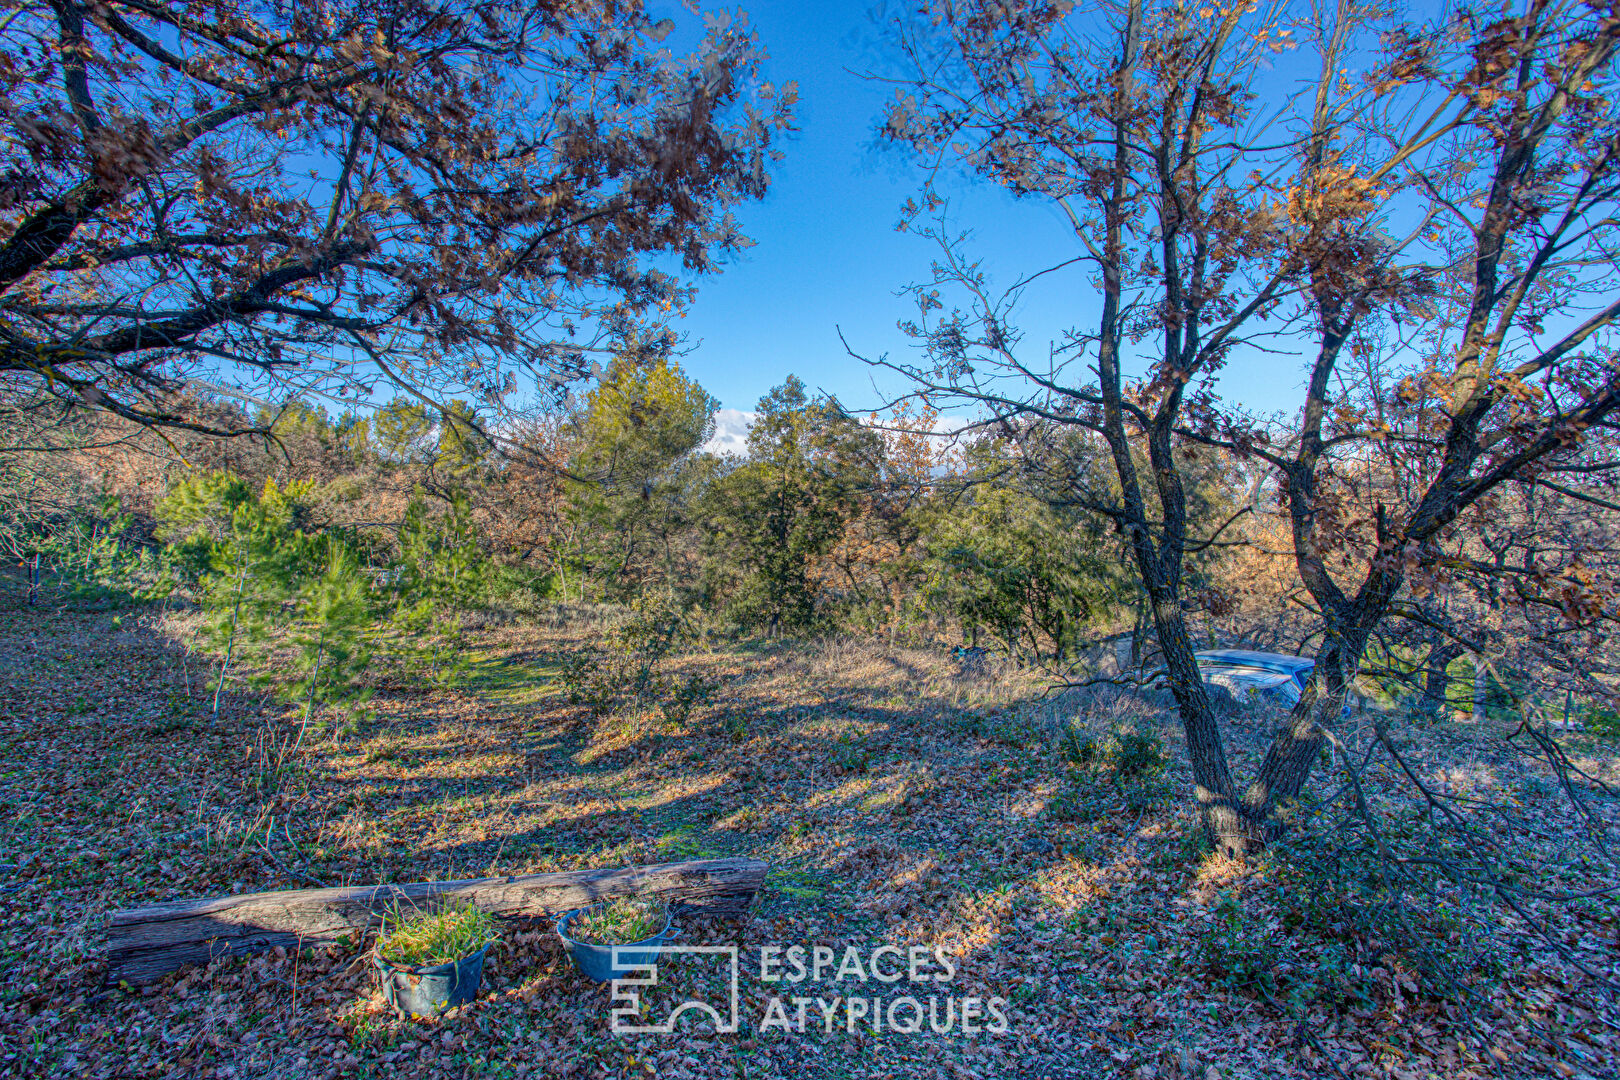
[{"x": 144, "y": 944}]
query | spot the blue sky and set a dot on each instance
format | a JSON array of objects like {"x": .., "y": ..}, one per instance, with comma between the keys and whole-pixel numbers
[{"x": 827, "y": 254}]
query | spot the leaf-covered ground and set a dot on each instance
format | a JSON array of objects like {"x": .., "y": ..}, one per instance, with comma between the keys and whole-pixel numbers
[{"x": 897, "y": 801}]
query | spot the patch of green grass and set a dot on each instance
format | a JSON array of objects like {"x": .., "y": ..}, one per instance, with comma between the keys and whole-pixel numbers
[
  {"x": 799, "y": 892},
  {"x": 624, "y": 921},
  {"x": 1191, "y": 849},
  {"x": 369, "y": 1031},
  {"x": 436, "y": 937},
  {"x": 1129, "y": 754},
  {"x": 1124, "y": 765},
  {"x": 851, "y": 755},
  {"x": 170, "y": 725},
  {"x": 748, "y": 819},
  {"x": 510, "y": 680},
  {"x": 387, "y": 751},
  {"x": 680, "y": 844},
  {"x": 799, "y": 884}
]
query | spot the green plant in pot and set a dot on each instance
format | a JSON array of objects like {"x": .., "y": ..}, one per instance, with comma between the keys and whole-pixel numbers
[
  {"x": 433, "y": 960},
  {"x": 607, "y": 940}
]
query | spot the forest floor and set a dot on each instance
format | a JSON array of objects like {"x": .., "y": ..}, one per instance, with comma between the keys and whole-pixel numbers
[{"x": 896, "y": 800}]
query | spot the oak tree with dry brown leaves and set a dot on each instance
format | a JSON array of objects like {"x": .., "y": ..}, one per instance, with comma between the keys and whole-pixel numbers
[
  {"x": 265, "y": 198},
  {"x": 1425, "y": 225}
]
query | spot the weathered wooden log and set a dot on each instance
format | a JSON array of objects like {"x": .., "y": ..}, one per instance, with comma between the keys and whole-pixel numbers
[{"x": 144, "y": 944}]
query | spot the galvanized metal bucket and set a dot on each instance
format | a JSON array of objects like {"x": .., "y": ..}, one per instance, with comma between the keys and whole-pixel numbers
[
  {"x": 430, "y": 989},
  {"x": 605, "y": 963}
]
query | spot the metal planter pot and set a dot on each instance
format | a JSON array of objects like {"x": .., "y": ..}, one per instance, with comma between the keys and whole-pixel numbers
[
  {"x": 599, "y": 962},
  {"x": 430, "y": 989}
]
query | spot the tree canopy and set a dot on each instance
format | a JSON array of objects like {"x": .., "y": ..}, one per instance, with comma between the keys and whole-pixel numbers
[{"x": 262, "y": 198}]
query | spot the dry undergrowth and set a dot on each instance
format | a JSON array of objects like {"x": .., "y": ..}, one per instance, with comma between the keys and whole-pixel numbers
[{"x": 895, "y": 800}]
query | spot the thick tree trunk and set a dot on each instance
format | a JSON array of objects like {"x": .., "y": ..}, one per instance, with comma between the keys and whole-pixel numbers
[
  {"x": 1297, "y": 747},
  {"x": 1228, "y": 830},
  {"x": 1289, "y": 760}
]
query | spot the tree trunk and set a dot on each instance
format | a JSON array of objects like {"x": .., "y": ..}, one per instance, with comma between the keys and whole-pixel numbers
[
  {"x": 1289, "y": 760},
  {"x": 1436, "y": 683},
  {"x": 230, "y": 642},
  {"x": 1229, "y": 832},
  {"x": 1482, "y": 687},
  {"x": 1298, "y": 746}
]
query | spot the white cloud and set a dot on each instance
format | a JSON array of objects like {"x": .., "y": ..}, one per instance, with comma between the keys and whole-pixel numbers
[{"x": 730, "y": 432}]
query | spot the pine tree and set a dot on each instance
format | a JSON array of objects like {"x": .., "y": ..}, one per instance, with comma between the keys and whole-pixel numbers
[
  {"x": 788, "y": 505},
  {"x": 441, "y": 572},
  {"x": 245, "y": 555},
  {"x": 332, "y": 633}
]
